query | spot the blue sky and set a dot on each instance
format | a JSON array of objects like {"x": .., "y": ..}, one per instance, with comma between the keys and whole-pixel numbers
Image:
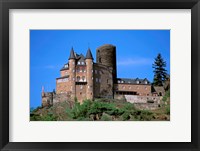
[{"x": 136, "y": 51}]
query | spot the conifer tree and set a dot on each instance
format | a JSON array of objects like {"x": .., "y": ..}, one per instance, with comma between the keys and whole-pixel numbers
[{"x": 160, "y": 73}]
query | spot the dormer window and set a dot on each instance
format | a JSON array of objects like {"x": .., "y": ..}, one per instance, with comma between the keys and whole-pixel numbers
[
  {"x": 66, "y": 66},
  {"x": 118, "y": 81},
  {"x": 82, "y": 63},
  {"x": 137, "y": 81},
  {"x": 145, "y": 82},
  {"x": 122, "y": 81},
  {"x": 79, "y": 63}
]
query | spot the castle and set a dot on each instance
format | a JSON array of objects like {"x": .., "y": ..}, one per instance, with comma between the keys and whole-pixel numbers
[{"x": 83, "y": 78}]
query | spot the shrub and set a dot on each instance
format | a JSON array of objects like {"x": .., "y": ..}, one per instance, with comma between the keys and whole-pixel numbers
[
  {"x": 126, "y": 116},
  {"x": 106, "y": 117},
  {"x": 48, "y": 117},
  {"x": 167, "y": 110},
  {"x": 167, "y": 95}
]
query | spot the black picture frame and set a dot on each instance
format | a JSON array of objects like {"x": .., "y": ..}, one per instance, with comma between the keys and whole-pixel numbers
[{"x": 5, "y": 5}]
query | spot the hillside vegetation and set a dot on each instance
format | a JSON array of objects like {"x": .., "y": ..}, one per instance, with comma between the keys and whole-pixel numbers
[{"x": 100, "y": 110}]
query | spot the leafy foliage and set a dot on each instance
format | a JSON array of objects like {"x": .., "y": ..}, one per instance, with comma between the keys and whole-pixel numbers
[
  {"x": 167, "y": 95},
  {"x": 95, "y": 111}
]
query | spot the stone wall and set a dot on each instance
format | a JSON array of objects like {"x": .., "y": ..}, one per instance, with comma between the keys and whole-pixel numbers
[
  {"x": 50, "y": 98},
  {"x": 47, "y": 98},
  {"x": 103, "y": 81},
  {"x": 142, "y": 99},
  {"x": 63, "y": 85},
  {"x": 138, "y": 89},
  {"x": 81, "y": 92},
  {"x": 147, "y": 106}
]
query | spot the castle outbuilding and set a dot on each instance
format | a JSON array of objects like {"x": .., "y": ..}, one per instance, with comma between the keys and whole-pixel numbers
[{"x": 83, "y": 78}]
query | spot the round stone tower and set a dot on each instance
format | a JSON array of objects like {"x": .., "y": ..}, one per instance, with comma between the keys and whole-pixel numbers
[
  {"x": 89, "y": 75},
  {"x": 106, "y": 55},
  {"x": 72, "y": 73}
]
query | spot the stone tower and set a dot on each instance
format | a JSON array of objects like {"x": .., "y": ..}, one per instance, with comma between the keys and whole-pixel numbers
[
  {"x": 89, "y": 75},
  {"x": 106, "y": 55},
  {"x": 72, "y": 73}
]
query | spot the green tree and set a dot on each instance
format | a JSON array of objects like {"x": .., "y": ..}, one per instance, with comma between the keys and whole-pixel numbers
[{"x": 160, "y": 73}]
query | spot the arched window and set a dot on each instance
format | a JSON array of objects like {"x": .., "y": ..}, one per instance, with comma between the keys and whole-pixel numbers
[
  {"x": 83, "y": 78},
  {"x": 78, "y": 78}
]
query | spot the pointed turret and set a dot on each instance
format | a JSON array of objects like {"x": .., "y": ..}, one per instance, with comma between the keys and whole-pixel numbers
[
  {"x": 89, "y": 54},
  {"x": 72, "y": 55},
  {"x": 43, "y": 91}
]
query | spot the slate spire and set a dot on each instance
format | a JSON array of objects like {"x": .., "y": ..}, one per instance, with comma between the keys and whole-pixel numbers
[
  {"x": 72, "y": 56},
  {"x": 89, "y": 54}
]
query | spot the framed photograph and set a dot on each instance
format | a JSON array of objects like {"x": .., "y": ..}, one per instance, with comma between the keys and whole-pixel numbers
[{"x": 99, "y": 75}]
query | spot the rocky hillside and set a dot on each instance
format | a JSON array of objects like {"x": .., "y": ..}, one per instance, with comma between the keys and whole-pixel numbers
[{"x": 100, "y": 110}]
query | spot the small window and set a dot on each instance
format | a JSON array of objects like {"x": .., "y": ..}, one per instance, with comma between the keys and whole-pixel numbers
[
  {"x": 118, "y": 81},
  {"x": 137, "y": 82},
  {"x": 95, "y": 71},
  {"x": 100, "y": 60},
  {"x": 78, "y": 78},
  {"x": 66, "y": 66},
  {"x": 96, "y": 79},
  {"x": 79, "y": 63},
  {"x": 73, "y": 70},
  {"x": 81, "y": 87},
  {"x": 83, "y": 78},
  {"x": 82, "y": 63}
]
